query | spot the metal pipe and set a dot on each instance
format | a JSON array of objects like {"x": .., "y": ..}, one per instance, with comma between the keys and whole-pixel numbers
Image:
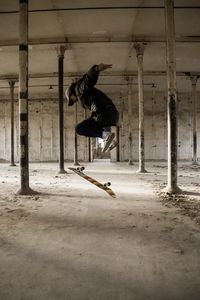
[{"x": 61, "y": 51}]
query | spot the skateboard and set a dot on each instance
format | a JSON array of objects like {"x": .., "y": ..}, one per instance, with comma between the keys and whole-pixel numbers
[{"x": 105, "y": 186}]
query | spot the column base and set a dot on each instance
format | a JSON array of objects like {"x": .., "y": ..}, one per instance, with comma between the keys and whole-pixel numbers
[
  {"x": 195, "y": 163},
  {"x": 12, "y": 165},
  {"x": 26, "y": 191},
  {"x": 141, "y": 171},
  {"x": 62, "y": 171},
  {"x": 76, "y": 164},
  {"x": 172, "y": 190},
  {"x": 130, "y": 163}
]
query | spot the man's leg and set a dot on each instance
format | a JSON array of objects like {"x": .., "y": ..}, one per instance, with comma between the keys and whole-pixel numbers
[
  {"x": 108, "y": 139},
  {"x": 108, "y": 118},
  {"x": 89, "y": 127}
]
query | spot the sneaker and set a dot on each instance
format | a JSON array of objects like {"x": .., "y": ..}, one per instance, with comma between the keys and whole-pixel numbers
[
  {"x": 112, "y": 146},
  {"x": 108, "y": 140}
]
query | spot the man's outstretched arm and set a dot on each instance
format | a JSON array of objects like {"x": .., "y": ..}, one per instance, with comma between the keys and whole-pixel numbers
[
  {"x": 102, "y": 67},
  {"x": 90, "y": 78}
]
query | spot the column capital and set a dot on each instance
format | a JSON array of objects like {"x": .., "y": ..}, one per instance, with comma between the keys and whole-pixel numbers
[
  {"x": 194, "y": 79},
  {"x": 128, "y": 79},
  {"x": 139, "y": 48},
  {"x": 12, "y": 82},
  {"x": 61, "y": 50}
]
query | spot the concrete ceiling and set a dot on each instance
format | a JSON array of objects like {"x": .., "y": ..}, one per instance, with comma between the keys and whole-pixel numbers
[{"x": 94, "y": 32}]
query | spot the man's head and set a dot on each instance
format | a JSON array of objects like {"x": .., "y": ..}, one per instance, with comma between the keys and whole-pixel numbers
[{"x": 71, "y": 94}]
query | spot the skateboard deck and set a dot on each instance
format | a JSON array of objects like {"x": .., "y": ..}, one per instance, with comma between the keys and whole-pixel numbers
[{"x": 79, "y": 171}]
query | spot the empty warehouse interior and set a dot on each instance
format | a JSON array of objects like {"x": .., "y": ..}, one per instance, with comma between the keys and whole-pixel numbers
[{"x": 126, "y": 227}]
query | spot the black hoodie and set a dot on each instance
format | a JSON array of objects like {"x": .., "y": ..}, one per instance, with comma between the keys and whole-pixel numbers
[{"x": 89, "y": 96}]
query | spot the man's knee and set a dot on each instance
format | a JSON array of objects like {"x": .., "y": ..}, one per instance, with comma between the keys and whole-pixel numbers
[{"x": 79, "y": 129}]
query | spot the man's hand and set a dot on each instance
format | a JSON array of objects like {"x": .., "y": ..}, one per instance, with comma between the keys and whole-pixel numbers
[{"x": 103, "y": 67}]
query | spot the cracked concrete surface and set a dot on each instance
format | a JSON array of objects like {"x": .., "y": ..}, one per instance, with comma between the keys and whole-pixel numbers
[{"x": 72, "y": 241}]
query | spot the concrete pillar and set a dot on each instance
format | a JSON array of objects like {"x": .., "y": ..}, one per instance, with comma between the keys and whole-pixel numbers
[
  {"x": 130, "y": 117},
  {"x": 118, "y": 144},
  {"x": 76, "y": 163},
  {"x": 172, "y": 187},
  {"x": 115, "y": 153},
  {"x": 89, "y": 143},
  {"x": 194, "y": 117},
  {"x": 23, "y": 98},
  {"x": 139, "y": 47},
  {"x": 121, "y": 127},
  {"x": 61, "y": 52},
  {"x": 90, "y": 149},
  {"x": 12, "y": 114},
  {"x": 86, "y": 139},
  {"x": 93, "y": 145},
  {"x": 154, "y": 145}
]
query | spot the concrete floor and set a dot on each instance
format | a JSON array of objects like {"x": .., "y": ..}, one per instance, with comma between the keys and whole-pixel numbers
[{"x": 72, "y": 241}]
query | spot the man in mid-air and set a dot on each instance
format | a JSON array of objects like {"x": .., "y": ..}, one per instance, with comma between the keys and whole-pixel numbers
[{"x": 104, "y": 113}]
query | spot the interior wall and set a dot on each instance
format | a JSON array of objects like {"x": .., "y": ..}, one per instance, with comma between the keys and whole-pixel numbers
[
  {"x": 155, "y": 127},
  {"x": 43, "y": 129}
]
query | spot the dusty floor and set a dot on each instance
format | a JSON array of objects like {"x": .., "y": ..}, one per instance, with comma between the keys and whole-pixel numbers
[{"x": 73, "y": 241}]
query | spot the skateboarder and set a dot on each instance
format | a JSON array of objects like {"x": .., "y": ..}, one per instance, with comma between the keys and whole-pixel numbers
[{"x": 104, "y": 113}]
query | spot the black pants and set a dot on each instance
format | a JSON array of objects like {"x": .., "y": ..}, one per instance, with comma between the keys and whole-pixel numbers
[{"x": 98, "y": 122}]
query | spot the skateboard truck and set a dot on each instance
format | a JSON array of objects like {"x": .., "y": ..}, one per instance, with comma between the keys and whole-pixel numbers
[
  {"x": 107, "y": 184},
  {"x": 80, "y": 169}
]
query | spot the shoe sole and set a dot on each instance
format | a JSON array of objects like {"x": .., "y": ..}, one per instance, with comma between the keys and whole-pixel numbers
[
  {"x": 108, "y": 142},
  {"x": 112, "y": 146}
]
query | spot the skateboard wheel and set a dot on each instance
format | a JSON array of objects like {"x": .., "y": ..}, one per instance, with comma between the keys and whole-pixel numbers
[
  {"x": 80, "y": 168},
  {"x": 107, "y": 184}
]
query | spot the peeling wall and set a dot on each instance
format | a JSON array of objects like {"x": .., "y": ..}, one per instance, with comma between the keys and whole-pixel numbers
[{"x": 43, "y": 129}]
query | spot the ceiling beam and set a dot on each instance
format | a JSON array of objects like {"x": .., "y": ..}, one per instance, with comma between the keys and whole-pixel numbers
[
  {"x": 105, "y": 74},
  {"x": 98, "y": 8},
  {"x": 157, "y": 40}
]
